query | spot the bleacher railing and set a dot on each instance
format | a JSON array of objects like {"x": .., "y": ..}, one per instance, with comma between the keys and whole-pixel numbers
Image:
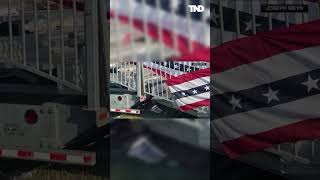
[{"x": 135, "y": 57}]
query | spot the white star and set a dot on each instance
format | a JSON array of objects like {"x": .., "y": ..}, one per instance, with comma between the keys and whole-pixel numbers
[
  {"x": 235, "y": 103},
  {"x": 249, "y": 25},
  {"x": 194, "y": 91},
  {"x": 271, "y": 95},
  {"x": 213, "y": 16},
  {"x": 176, "y": 66},
  {"x": 165, "y": 63},
  {"x": 183, "y": 94},
  {"x": 188, "y": 70},
  {"x": 311, "y": 83},
  {"x": 207, "y": 88}
]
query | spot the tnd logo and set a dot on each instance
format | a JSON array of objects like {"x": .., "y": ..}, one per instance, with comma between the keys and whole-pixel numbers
[{"x": 196, "y": 8}]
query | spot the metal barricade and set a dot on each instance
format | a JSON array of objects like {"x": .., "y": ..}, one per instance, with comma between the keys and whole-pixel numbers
[
  {"x": 302, "y": 151},
  {"x": 58, "y": 40},
  {"x": 45, "y": 37},
  {"x": 137, "y": 55}
]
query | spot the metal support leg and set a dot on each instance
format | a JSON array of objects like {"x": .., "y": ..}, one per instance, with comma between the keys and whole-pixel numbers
[
  {"x": 140, "y": 84},
  {"x": 92, "y": 54}
]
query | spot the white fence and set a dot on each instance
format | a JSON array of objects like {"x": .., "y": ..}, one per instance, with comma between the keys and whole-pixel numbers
[
  {"x": 58, "y": 40},
  {"x": 149, "y": 78},
  {"x": 303, "y": 151},
  {"x": 44, "y": 37},
  {"x": 137, "y": 59}
]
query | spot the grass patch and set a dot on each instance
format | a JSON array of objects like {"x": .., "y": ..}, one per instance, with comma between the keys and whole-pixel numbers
[{"x": 45, "y": 174}]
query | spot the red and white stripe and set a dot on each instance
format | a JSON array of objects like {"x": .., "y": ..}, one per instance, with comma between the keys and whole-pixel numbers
[
  {"x": 262, "y": 59},
  {"x": 190, "y": 81},
  {"x": 127, "y": 111},
  {"x": 199, "y": 35},
  {"x": 67, "y": 157}
]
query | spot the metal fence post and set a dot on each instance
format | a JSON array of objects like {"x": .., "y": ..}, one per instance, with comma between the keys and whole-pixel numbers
[
  {"x": 92, "y": 53},
  {"x": 104, "y": 55},
  {"x": 140, "y": 83}
]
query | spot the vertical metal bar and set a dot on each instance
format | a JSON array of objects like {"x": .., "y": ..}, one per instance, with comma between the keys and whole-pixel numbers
[
  {"x": 286, "y": 16},
  {"x": 49, "y": 37},
  {"x": 104, "y": 52},
  {"x": 269, "y": 18},
  {"x": 121, "y": 72},
  {"x": 36, "y": 35},
  {"x": 148, "y": 77},
  {"x": 221, "y": 21},
  {"x": 157, "y": 80},
  {"x": 139, "y": 79},
  {"x": 63, "y": 68},
  {"x": 303, "y": 14},
  {"x": 237, "y": 19},
  {"x": 10, "y": 31},
  {"x": 75, "y": 32},
  {"x": 92, "y": 54},
  {"x": 125, "y": 74},
  {"x": 114, "y": 68},
  {"x": 130, "y": 75},
  {"x": 165, "y": 77},
  {"x": 253, "y": 16},
  {"x": 117, "y": 72},
  {"x": 170, "y": 63},
  {"x": 23, "y": 33},
  {"x": 152, "y": 79},
  {"x": 161, "y": 79},
  {"x": 167, "y": 91},
  {"x": 139, "y": 68}
]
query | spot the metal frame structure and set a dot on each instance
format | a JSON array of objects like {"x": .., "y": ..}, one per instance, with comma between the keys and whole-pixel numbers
[
  {"x": 33, "y": 59},
  {"x": 134, "y": 53},
  {"x": 65, "y": 44}
]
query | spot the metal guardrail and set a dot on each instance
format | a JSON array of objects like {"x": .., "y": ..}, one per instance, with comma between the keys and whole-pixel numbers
[
  {"x": 45, "y": 40},
  {"x": 55, "y": 39},
  {"x": 153, "y": 77},
  {"x": 136, "y": 57},
  {"x": 303, "y": 151}
]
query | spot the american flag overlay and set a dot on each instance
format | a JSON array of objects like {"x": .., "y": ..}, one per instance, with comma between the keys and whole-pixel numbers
[
  {"x": 251, "y": 20},
  {"x": 191, "y": 90},
  {"x": 169, "y": 22},
  {"x": 266, "y": 89}
]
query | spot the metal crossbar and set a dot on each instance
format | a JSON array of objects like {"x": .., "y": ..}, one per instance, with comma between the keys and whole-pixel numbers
[{"x": 303, "y": 151}]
